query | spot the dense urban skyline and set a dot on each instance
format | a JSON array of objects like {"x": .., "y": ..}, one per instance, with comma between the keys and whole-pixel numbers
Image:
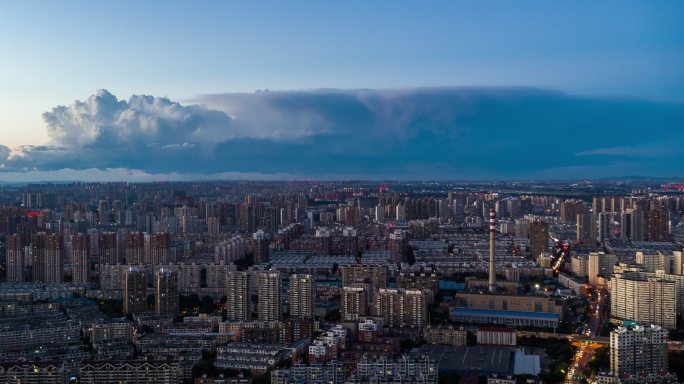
[
  {"x": 450, "y": 91},
  {"x": 342, "y": 192},
  {"x": 286, "y": 282}
]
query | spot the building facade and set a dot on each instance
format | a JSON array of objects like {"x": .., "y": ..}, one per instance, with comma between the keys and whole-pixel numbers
[{"x": 638, "y": 350}]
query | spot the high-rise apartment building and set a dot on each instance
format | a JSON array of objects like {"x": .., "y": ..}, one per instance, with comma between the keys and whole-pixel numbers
[
  {"x": 570, "y": 209},
  {"x": 301, "y": 296},
  {"x": 646, "y": 300},
  {"x": 375, "y": 275},
  {"x": 625, "y": 225},
  {"x": 401, "y": 307},
  {"x": 134, "y": 245},
  {"x": 580, "y": 265},
  {"x": 380, "y": 214},
  {"x": 400, "y": 213},
  {"x": 108, "y": 249},
  {"x": 248, "y": 218},
  {"x": 652, "y": 262},
  {"x": 300, "y": 323},
  {"x": 135, "y": 291},
  {"x": 104, "y": 212},
  {"x": 638, "y": 225},
  {"x": 271, "y": 220},
  {"x": 261, "y": 241},
  {"x": 159, "y": 244},
  {"x": 398, "y": 246},
  {"x": 600, "y": 264},
  {"x": 354, "y": 303},
  {"x": 522, "y": 228},
  {"x": 677, "y": 260},
  {"x": 638, "y": 350},
  {"x": 350, "y": 239},
  {"x": 539, "y": 238},
  {"x": 605, "y": 226},
  {"x": 324, "y": 241},
  {"x": 213, "y": 226},
  {"x": 80, "y": 258},
  {"x": 15, "y": 259},
  {"x": 237, "y": 296},
  {"x": 657, "y": 225},
  {"x": 166, "y": 292},
  {"x": 189, "y": 277},
  {"x": 217, "y": 275},
  {"x": 47, "y": 258},
  {"x": 586, "y": 229},
  {"x": 269, "y": 307}
]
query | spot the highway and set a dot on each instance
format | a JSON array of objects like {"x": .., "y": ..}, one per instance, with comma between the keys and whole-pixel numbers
[
  {"x": 573, "y": 337},
  {"x": 598, "y": 313}
]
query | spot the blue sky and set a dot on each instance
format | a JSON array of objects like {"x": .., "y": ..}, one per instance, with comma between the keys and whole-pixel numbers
[{"x": 613, "y": 63}]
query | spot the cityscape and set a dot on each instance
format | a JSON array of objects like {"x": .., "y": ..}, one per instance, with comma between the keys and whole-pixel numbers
[
  {"x": 301, "y": 192},
  {"x": 308, "y": 281}
]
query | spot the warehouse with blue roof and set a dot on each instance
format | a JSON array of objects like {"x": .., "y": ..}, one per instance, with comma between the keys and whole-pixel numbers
[{"x": 509, "y": 318}]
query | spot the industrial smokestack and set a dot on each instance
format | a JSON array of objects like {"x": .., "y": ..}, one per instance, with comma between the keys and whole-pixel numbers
[{"x": 492, "y": 268}]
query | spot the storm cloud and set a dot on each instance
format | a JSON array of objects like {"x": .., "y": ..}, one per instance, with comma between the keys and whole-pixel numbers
[{"x": 442, "y": 133}]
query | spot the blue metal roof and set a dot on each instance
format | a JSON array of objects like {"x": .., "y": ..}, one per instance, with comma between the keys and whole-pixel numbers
[
  {"x": 331, "y": 283},
  {"x": 451, "y": 285},
  {"x": 496, "y": 312}
]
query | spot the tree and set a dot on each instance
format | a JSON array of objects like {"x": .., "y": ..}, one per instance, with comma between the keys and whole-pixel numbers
[
  {"x": 449, "y": 378},
  {"x": 112, "y": 307},
  {"x": 245, "y": 262},
  {"x": 606, "y": 329},
  {"x": 676, "y": 360},
  {"x": 189, "y": 302},
  {"x": 409, "y": 344},
  {"x": 207, "y": 304},
  {"x": 283, "y": 363},
  {"x": 151, "y": 299},
  {"x": 599, "y": 362},
  {"x": 561, "y": 352},
  {"x": 333, "y": 316},
  {"x": 471, "y": 339},
  {"x": 410, "y": 256}
]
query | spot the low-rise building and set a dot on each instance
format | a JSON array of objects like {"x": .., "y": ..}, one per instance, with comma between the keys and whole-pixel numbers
[
  {"x": 256, "y": 358},
  {"x": 445, "y": 334},
  {"x": 130, "y": 371},
  {"x": 496, "y": 336}
]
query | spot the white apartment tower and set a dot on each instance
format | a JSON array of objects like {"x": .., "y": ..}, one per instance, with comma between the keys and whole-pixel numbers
[
  {"x": 80, "y": 258},
  {"x": 647, "y": 300},
  {"x": 15, "y": 259},
  {"x": 301, "y": 296},
  {"x": 638, "y": 350},
  {"x": 600, "y": 263},
  {"x": 269, "y": 307},
  {"x": 401, "y": 307},
  {"x": 237, "y": 297},
  {"x": 166, "y": 292}
]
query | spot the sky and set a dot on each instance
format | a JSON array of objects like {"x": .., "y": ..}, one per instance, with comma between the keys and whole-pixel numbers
[{"x": 138, "y": 91}]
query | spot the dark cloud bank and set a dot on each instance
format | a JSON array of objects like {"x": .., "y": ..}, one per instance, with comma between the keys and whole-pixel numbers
[{"x": 440, "y": 133}]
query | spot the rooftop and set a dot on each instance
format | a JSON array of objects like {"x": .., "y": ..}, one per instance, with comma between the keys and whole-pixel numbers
[{"x": 496, "y": 312}]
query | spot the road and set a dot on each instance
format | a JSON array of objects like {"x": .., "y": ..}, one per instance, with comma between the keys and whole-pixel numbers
[
  {"x": 598, "y": 314},
  {"x": 584, "y": 353},
  {"x": 573, "y": 337}
]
